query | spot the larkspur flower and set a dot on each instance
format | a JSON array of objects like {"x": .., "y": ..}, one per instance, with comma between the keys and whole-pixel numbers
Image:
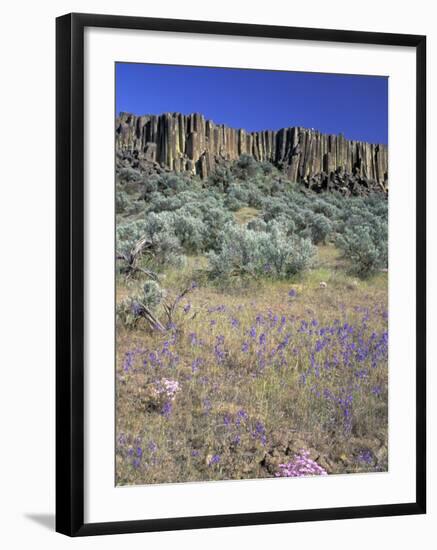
[
  {"x": 153, "y": 447},
  {"x": 196, "y": 364},
  {"x": 136, "y": 308},
  {"x": 234, "y": 323},
  {"x": 128, "y": 361},
  {"x": 363, "y": 373},
  {"x": 365, "y": 456},
  {"x": 214, "y": 460},
  {"x": 260, "y": 432},
  {"x": 166, "y": 409},
  {"x": 242, "y": 416},
  {"x": 219, "y": 351}
]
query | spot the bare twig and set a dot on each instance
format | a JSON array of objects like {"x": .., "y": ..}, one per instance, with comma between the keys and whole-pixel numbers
[{"x": 132, "y": 258}]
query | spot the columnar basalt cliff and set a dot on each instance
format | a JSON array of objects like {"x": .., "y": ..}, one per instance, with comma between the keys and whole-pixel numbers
[{"x": 191, "y": 143}]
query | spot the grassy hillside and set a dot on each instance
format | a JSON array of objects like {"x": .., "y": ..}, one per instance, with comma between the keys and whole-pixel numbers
[{"x": 252, "y": 328}]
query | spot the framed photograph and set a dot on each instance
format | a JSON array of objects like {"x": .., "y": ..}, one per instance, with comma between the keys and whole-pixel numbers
[{"x": 240, "y": 274}]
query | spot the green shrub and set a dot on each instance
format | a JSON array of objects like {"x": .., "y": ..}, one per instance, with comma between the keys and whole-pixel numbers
[
  {"x": 190, "y": 231},
  {"x": 180, "y": 213},
  {"x": 257, "y": 253},
  {"x": 141, "y": 306},
  {"x": 162, "y": 248},
  {"x": 153, "y": 294},
  {"x": 288, "y": 255},
  {"x": 319, "y": 227},
  {"x": 246, "y": 167},
  {"x": 367, "y": 251}
]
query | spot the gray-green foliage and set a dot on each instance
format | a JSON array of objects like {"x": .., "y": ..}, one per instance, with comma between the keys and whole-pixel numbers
[
  {"x": 247, "y": 252},
  {"x": 180, "y": 214},
  {"x": 162, "y": 248},
  {"x": 153, "y": 294},
  {"x": 288, "y": 255},
  {"x": 366, "y": 245},
  {"x": 133, "y": 308},
  {"x": 190, "y": 230},
  {"x": 318, "y": 227}
]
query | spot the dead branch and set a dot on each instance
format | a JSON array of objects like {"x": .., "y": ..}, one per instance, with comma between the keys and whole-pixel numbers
[
  {"x": 151, "y": 319},
  {"x": 170, "y": 308},
  {"x": 132, "y": 258}
]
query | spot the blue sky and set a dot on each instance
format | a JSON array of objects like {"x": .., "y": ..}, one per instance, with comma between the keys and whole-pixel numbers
[{"x": 356, "y": 106}]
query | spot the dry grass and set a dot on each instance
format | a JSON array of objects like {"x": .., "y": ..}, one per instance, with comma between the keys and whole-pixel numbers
[
  {"x": 244, "y": 215},
  {"x": 254, "y": 385}
]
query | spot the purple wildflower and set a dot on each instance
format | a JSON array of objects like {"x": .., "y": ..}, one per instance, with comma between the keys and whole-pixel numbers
[
  {"x": 214, "y": 460},
  {"x": 166, "y": 409},
  {"x": 301, "y": 465},
  {"x": 234, "y": 323},
  {"x": 365, "y": 456},
  {"x": 136, "y": 308},
  {"x": 226, "y": 420}
]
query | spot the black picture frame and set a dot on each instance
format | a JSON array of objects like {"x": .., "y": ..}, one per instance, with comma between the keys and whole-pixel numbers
[{"x": 70, "y": 273}]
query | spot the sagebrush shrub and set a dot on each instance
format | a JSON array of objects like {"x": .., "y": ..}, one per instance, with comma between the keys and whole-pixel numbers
[
  {"x": 190, "y": 231},
  {"x": 153, "y": 294},
  {"x": 132, "y": 309},
  {"x": 180, "y": 214},
  {"x": 367, "y": 251},
  {"x": 162, "y": 248},
  {"x": 319, "y": 227},
  {"x": 247, "y": 252}
]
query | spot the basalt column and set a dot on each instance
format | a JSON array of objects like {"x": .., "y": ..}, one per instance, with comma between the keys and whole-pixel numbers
[{"x": 190, "y": 143}]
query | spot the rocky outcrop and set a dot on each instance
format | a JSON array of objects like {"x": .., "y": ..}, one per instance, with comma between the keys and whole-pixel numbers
[{"x": 191, "y": 143}]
